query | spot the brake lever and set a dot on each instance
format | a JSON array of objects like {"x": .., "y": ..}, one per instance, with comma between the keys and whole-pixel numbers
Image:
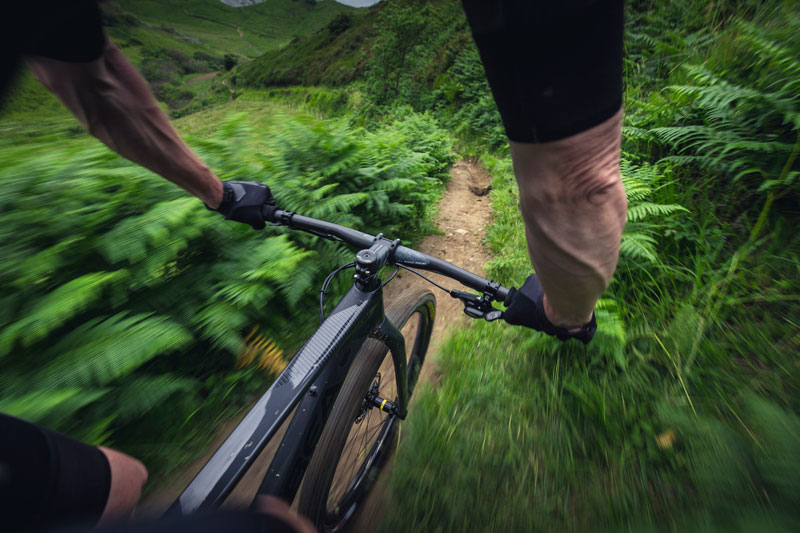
[{"x": 477, "y": 306}]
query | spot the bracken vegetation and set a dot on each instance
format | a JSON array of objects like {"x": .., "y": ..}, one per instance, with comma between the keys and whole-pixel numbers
[
  {"x": 133, "y": 317},
  {"x": 128, "y": 309},
  {"x": 682, "y": 413}
]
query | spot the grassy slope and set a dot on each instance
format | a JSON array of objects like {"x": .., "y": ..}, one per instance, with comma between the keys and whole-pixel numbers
[
  {"x": 334, "y": 56},
  {"x": 166, "y": 25},
  {"x": 338, "y": 54},
  {"x": 263, "y": 26}
]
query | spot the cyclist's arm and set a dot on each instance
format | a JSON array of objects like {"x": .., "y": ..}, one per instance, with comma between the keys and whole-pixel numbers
[
  {"x": 112, "y": 100},
  {"x": 48, "y": 479}
]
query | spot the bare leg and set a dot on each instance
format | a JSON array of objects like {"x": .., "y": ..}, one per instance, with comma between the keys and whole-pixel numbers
[{"x": 574, "y": 207}]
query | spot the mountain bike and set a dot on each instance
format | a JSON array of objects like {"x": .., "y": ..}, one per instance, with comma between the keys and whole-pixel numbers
[{"x": 348, "y": 386}]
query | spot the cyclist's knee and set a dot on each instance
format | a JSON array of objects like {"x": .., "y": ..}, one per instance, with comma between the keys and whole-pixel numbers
[{"x": 581, "y": 169}]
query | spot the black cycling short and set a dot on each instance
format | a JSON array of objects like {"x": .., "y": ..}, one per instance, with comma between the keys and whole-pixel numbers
[
  {"x": 47, "y": 478},
  {"x": 555, "y": 67},
  {"x": 67, "y": 30}
]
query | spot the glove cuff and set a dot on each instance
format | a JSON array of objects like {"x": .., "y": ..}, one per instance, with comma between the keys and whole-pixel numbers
[
  {"x": 526, "y": 308},
  {"x": 227, "y": 200}
]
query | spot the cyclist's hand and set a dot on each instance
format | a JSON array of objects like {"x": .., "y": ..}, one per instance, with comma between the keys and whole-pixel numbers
[
  {"x": 243, "y": 201},
  {"x": 526, "y": 308}
]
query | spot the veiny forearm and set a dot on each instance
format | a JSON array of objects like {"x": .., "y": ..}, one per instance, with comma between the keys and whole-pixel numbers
[{"x": 112, "y": 100}]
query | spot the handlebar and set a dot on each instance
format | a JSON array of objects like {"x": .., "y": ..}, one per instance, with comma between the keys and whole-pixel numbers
[{"x": 402, "y": 255}]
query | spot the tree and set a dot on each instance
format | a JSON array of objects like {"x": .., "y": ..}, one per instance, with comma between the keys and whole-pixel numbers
[{"x": 402, "y": 36}]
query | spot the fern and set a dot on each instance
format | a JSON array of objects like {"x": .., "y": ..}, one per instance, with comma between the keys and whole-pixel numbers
[
  {"x": 143, "y": 393},
  {"x": 56, "y": 308},
  {"x": 638, "y": 245},
  {"x": 104, "y": 349},
  {"x": 641, "y": 211},
  {"x": 136, "y": 237},
  {"x": 106, "y": 313},
  {"x": 745, "y": 130},
  {"x": 42, "y": 404},
  {"x": 220, "y": 324},
  {"x": 639, "y": 238}
]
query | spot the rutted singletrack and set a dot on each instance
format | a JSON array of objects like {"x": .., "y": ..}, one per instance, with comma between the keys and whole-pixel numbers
[{"x": 463, "y": 214}]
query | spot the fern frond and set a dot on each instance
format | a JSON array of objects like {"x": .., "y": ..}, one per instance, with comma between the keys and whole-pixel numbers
[
  {"x": 340, "y": 203},
  {"x": 300, "y": 282},
  {"x": 135, "y": 237},
  {"x": 638, "y": 246},
  {"x": 102, "y": 350},
  {"x": 645, "y": 210},
  {"x": 143, "y": 393},
  {"x": 682, "y": 135},
  {"x": 220, "y": 324},
  {"x": 57, "y": 307},
  {"x": 40, "y": 404}
]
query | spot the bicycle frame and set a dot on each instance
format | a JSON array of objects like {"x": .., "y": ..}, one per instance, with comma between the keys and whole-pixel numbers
[{"x": 312, "y": 379}]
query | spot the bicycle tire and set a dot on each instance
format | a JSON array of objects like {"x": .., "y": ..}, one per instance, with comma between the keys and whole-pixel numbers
[{"x": 320, "y": 498}]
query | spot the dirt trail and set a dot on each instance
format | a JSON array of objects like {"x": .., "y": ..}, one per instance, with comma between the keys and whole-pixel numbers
[
  {"x": 463, "y": 214},
  {"x": 202, "y": 77}
]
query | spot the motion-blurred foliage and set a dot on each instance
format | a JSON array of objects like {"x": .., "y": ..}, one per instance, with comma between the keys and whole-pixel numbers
[
  {"x": 125, "y": 303},
  {"x": 682, "y": 413}
]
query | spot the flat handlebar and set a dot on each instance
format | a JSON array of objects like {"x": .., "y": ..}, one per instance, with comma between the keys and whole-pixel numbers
[{"x": 402, "y": 255}]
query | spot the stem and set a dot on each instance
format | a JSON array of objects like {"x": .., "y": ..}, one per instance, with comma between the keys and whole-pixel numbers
[{"x": 677, "y": 373}]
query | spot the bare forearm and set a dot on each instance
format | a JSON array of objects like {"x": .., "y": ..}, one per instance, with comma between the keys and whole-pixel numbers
[{"x": 113, "y": 102}]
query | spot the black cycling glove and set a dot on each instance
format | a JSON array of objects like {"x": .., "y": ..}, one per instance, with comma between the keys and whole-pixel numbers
[
  {"x": 244, "y": 201},
  {"x": 526, "y": 308}
]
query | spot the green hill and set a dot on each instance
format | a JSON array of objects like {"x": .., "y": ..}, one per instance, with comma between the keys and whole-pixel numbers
[
  {"x": 172, "y": 43},
  {"x": 247, "y": 31},
  {"x": 339, "y": 53}
]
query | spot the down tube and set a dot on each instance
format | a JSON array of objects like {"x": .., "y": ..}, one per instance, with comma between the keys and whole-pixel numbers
[{"x": 356, "y": 315}]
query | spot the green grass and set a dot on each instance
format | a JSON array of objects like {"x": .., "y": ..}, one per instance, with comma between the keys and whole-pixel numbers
[
  {"x": 523, "y": 433},
  {"x": 260, "y": 109},
  {"x": 682, "y": 414},
  {"x": 265, "y": 26}
]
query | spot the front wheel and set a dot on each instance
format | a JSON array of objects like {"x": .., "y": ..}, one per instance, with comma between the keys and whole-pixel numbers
[{"x": 354, "y": 443}]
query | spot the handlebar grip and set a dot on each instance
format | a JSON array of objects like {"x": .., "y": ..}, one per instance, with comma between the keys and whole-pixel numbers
[{"x": 268, "y": 212}]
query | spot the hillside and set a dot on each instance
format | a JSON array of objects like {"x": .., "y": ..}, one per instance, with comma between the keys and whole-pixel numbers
[
  {"x": 173, "y": 43},
  {"x": 340, "y": 52},
  {"x": 247, "y": 31}
]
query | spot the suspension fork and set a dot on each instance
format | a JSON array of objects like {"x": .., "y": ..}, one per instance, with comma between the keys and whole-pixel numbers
[{"x": 387, "y": 333}]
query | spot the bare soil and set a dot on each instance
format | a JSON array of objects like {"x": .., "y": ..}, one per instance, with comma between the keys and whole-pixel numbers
[
  {"x": 203, "y": 77},
  {"x": 463, "y": 214}
]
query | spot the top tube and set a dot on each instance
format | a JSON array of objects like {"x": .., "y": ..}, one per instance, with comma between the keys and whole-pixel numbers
[{"x": 403, "y": 255}]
